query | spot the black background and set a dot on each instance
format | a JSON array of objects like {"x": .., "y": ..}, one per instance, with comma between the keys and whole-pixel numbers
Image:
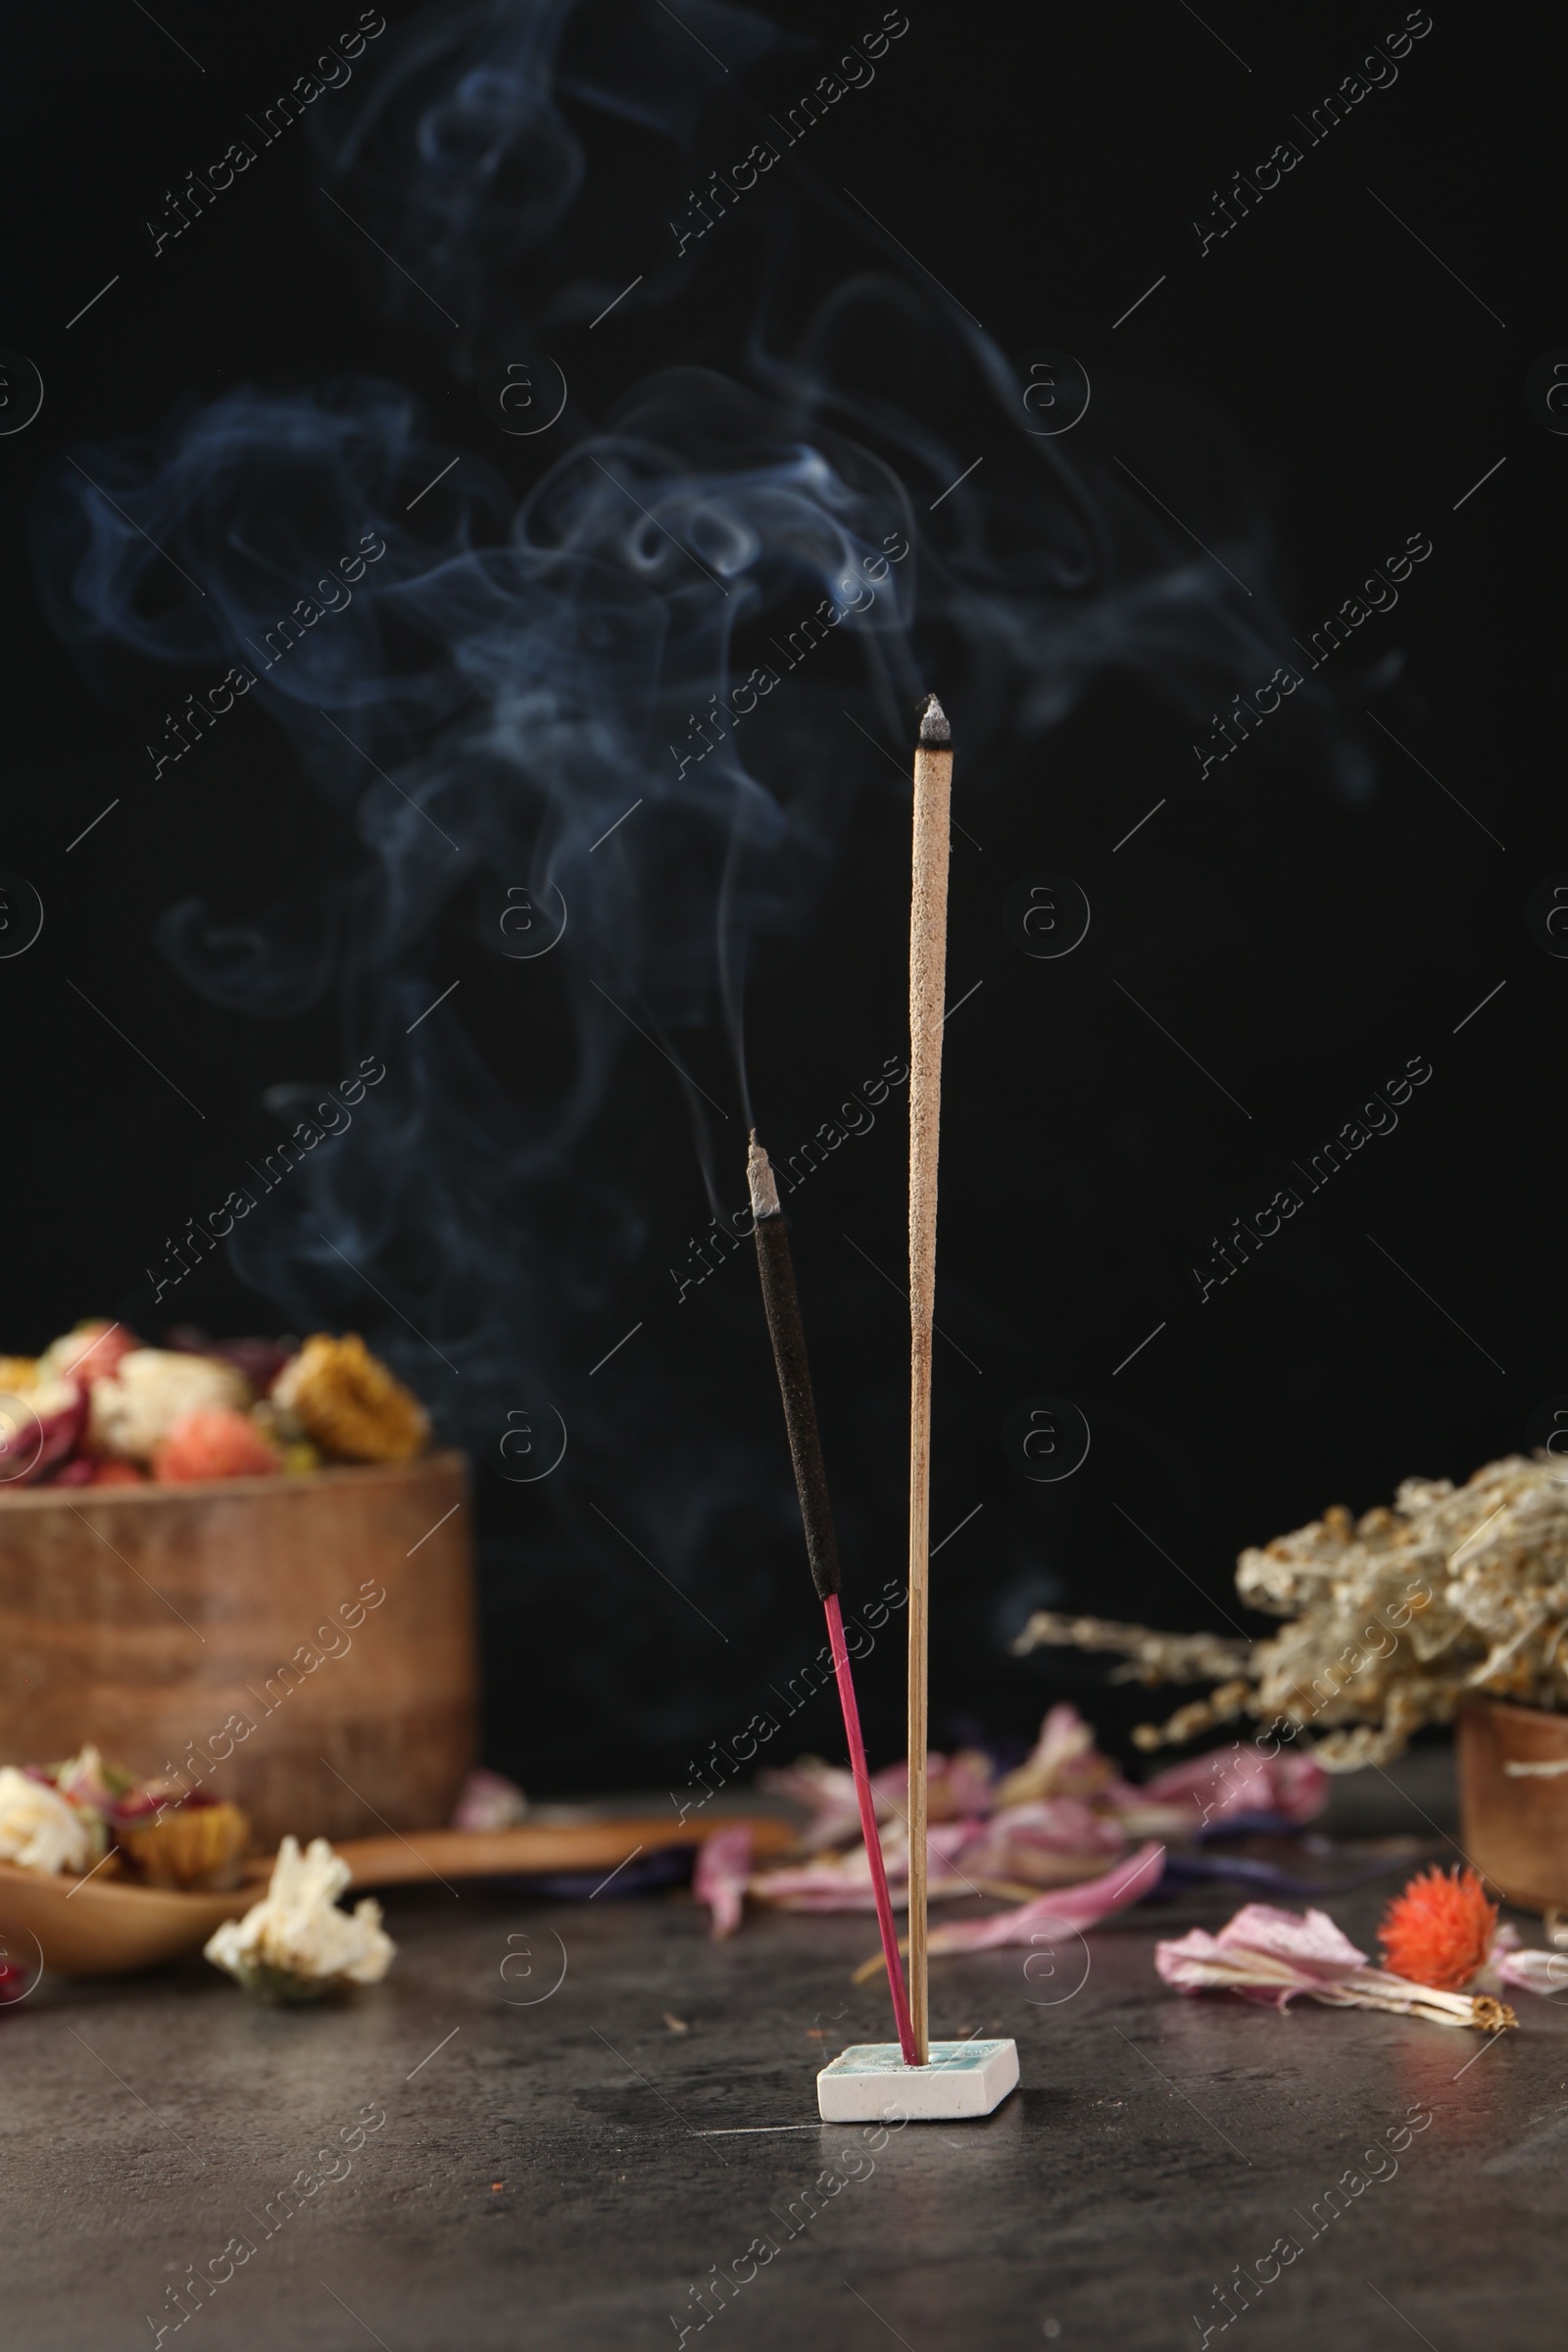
[{"x": 1301, "y": 942}]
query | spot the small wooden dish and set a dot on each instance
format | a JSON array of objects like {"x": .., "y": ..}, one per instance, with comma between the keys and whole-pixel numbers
[{"x": 101, "y": 1926}]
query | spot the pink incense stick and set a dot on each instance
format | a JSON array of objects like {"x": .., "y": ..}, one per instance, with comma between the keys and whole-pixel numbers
[
  {"x": 783, "y": 1309},
  {"x": 868, "y": 1829}
]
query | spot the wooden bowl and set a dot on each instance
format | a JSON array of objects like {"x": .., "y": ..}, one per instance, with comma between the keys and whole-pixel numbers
[
  {"x": 230, "y": 1633},
  {"x": 1513, "y": 1824}
]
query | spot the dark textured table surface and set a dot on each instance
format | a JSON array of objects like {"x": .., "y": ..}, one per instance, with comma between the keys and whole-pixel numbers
[{"x": 568, "y": 2171}]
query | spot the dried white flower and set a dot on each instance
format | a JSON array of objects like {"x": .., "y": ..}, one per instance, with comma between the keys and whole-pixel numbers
[
  {"x": 295, "y": 1945},
  {"x": 39, "y": 1829},
  {"x": 1397, "y": 1615},
  {"x": 154, "y": 1387},
  {"x": 1149, "y": 1656},
  {"x": 1393, "y": 1617}
]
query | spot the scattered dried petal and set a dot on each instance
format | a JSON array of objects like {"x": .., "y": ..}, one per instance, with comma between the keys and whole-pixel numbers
[
  {"x": 487, "y": 1800},
  {"x": 1527, "y": 1971},
  {"x": 1269, "y": 1955},
  {"x": 1230, "y": 1780},
  {"x": 723, "y": 1866},
  {"x": 1065, "y": 1763},
  {"x": 1067, "y": 1908}
]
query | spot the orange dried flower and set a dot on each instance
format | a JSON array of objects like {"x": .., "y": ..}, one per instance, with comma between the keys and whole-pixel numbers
[
  {"x": 1440, "y": 1930},
  {"x": 213, "y": 1441}
]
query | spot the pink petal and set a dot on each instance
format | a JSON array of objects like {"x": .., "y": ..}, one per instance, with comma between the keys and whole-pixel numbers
[
  {"x": 1064, "y": 1735},
  {"x": 1199, "y": 1962},
  {"x": 1065, "y": 1763},
  {"x": 826, "y": 1790},
  {"x": 961, "y": 1783},
  {"x": 1263, "y": 1954},
  {"x": 1313, "y": 1945},
  {"x": 832, "y": 1883},
  {"x": 1039, "y": 1842},
  {"x": 1239, "y": 1778},
  {"x": 1061, "y": 1824},
  {"x": 1530, "y": 1971},
  {"x": 723, "y": 1866},
  {"x": 487, "y": 1800},
  {"x": 1140, "y": 1820},
  {"x": 1065, "y": 1907},
  {"x": 1301, "y": 1788},
  {"x": 1193, "y": 1962},
  {"x": 967, "y": 1785}
]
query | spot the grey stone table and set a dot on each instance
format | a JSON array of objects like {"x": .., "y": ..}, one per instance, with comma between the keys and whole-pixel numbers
[{"x": 568, "y": 2167}]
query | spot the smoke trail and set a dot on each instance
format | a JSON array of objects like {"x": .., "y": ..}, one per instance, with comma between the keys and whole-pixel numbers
[
  {"x": 467, "y": 154},
  {"x": 620, "y": 697}
]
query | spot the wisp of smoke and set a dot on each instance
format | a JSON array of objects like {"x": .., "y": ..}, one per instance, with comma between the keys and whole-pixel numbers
[{"x": 671, "y": 621}]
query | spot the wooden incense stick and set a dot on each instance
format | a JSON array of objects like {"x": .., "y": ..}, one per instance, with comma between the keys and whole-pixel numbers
[
  {"x": 928, "y": 960},
  {"x": 783, "y": 1309}
]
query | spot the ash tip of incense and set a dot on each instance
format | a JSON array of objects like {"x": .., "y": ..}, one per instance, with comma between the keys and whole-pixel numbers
[
  {"x": 934, "y": 723},
  {"x": 761, "y": 1178}
]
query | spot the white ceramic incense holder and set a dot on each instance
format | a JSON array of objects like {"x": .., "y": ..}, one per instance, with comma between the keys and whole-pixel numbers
[{"x": 869, "y": 2081}]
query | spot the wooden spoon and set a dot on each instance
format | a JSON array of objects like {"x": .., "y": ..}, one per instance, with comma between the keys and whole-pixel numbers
[{"x": 106, "y": 1927}]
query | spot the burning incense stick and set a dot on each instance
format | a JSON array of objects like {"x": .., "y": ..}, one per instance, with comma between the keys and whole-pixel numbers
[
  {"x": 928, "y": 957},
  {"x": 783, "y": 1311}
]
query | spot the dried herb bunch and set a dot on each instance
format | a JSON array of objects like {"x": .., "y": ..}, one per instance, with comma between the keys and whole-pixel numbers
[{"x": 1395, "y": 1617}]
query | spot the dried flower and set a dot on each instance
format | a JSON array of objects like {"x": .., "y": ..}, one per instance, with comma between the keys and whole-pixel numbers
[
  {"x": 261, "y": 1361},
  {"x": 295, "y": 1945},
  {"x": 213, "y": 1441},
  {"x": 348, "y": 1402},
  {"x": 188, "y": 1844},
  {"x": 39, "y": 1829},
  {"x": 92, "y": 1352},
  {"x": 1393, "y": 1617},
  {"x": 56, "y": 1817},
  {"x": 92, "y": 1785},
  {"x": 1269, "y": 1955},
  {"x": 1440, "y": 1930},
  {"x": 1149, "y": 1657},
  {"x": 40, "y": 1427},
  {"x": 153, "y": 1388}
]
